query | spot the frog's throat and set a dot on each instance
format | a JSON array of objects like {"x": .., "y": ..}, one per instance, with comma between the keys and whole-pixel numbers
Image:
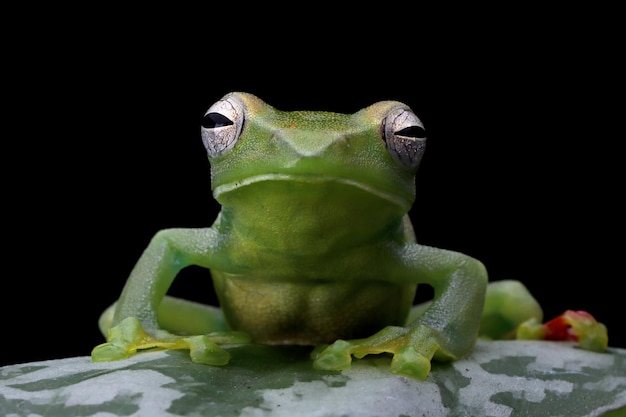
[{"x": 225, "y": 188}]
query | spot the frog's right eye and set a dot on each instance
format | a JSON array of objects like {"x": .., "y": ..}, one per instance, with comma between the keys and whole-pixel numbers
[
  {"x": 221, "y": 125},
  {"x": 404, "y": 136}
]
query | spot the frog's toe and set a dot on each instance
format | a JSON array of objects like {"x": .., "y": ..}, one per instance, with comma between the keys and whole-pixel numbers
[
  {"x": 128, "y": 337},
  {"x": 408, "y": 361},
  {"x": 109, "y": 352},
  {"x": 336, "y": 357},
  {"x": 202, "y": 350},
  {"x": 412, "y": 349},
  {"x": 122, "y": 341}
]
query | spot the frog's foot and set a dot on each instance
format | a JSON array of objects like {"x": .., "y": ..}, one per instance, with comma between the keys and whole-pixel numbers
[
  {"x": 508, "y": 303},
  {"x": 412, "y": 349},
  {"x": 578, "y": 326},
  {"x": 128, "y": 338}
]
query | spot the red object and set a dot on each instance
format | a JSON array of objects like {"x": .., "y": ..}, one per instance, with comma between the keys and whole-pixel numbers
[{"x": 560, "y": 328}]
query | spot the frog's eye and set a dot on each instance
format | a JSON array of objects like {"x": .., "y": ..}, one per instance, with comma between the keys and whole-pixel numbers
[
  {"x": 404, "y": 136},
  {"x": 221, "y": 125}
]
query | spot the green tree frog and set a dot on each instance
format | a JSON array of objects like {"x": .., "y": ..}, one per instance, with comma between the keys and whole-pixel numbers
[{"x": 313, "y": 246}]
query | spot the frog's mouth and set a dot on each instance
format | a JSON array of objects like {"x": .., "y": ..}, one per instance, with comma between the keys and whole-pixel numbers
[{"x": 395, "y": 199}]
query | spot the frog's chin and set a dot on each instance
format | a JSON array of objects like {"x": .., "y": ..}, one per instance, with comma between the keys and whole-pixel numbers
[{"x": 223, "y": 189}]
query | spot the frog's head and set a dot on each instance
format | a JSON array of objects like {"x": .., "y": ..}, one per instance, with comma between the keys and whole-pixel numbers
[{"x": 376, "y": 150}]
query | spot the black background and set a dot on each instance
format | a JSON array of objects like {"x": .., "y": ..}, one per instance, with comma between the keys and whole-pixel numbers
[{"x": 102, "y": 148}]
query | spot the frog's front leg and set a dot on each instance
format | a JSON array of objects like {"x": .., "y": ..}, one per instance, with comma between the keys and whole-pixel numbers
[
  {"x": 447, "y": 329},
  {"x": 144, "y": 318}
]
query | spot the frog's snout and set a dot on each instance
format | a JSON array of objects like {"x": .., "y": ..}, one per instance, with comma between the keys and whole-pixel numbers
[{"x": 309, "y": 144}]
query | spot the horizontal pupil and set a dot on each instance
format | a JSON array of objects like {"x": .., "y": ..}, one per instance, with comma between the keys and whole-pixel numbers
[
  {"x": 213, "y": 120},
  {"x": 413, "y": 132}
]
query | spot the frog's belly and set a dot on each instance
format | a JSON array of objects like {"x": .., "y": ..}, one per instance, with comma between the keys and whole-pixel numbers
[{"x": 308, "y": 313}]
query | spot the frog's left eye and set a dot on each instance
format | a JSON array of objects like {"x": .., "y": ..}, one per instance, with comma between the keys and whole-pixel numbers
[
  {"x": 405, "y": 137},
  {"x": 221, "y": 125}
]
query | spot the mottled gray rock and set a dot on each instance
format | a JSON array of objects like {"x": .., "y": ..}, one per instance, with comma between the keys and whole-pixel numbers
[{"x": 503, "y": 379}]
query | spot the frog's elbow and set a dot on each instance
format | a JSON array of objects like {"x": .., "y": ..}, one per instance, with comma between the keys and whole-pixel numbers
[
  {"x": 478, "y": 273},
  {"x": 479, "y": 270},
  {"x": 472, "y": 273},
  {"x": 468, "y": 266}
]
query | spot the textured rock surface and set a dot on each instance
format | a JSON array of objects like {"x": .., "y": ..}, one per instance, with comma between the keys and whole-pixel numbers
[{"x": 512, "y": 378}]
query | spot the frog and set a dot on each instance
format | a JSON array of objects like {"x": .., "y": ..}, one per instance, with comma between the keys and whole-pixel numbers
[{"x": 313, "y": 246}]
